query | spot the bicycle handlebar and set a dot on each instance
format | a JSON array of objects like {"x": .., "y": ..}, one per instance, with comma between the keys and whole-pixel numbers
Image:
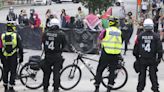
[{"x": 76, "y": 51}]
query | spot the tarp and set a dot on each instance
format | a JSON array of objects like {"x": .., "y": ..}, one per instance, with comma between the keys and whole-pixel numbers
[
  {"x": 31, "y": 38},
  {"x": 83, "y": 40}
]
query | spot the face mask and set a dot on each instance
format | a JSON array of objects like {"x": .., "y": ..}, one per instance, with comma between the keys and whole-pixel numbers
[
  {"x": 25, "y": 17},
  {"x": 34, "y": 17}
]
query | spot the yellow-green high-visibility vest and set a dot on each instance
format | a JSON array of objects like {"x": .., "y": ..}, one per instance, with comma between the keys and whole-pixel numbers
[
  {"x": 112, "y": 42},
  {"x": 12, "y": 43}
]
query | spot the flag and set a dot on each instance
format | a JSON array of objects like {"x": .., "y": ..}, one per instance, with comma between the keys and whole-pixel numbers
[{"x": 107, "y": 13}]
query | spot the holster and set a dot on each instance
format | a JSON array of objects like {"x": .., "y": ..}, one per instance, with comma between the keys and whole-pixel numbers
[{"x": 136, "y": 66}]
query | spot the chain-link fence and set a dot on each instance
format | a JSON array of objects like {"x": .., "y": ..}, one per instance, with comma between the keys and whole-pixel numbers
[{"x": 4, "y": 3}]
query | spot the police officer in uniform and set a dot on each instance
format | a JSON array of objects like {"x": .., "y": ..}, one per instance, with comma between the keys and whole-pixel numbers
[
  {"x": 111, "y": 45},
  {"x": 54, "y": 41},
  {"x": 11, "y": 44},
  {"x": 148, "y": 51}
]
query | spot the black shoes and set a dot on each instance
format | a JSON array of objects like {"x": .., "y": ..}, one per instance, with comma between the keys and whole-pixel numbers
[
  {"x": 11, "y": 89},
  {"x": 5, "y": 88},
  {"x": 45, "y": 90},
  {"x": 96, "y": 89},
  {"x": 108, "y": 89},
  {"x": 55, "y": 90}
]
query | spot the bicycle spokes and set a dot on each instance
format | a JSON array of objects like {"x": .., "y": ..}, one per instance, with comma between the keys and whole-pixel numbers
[
  {"x": 30, "y": 78},
  {"x": 70, "y": 77}
]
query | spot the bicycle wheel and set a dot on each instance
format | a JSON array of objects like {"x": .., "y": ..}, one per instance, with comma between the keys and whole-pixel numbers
[
  {"x": 120, "y": 80},
  {"x": 1, "y": 73},
  {"x": 70, "y": 77},
  {"x": 162, "y": 57},
  {"x": 32, "y": 79}
]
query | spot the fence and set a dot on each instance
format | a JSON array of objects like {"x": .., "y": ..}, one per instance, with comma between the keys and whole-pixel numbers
[{"x": 83, "y": 40}]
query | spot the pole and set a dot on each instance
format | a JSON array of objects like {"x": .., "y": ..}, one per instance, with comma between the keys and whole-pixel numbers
[{"x": 137, "y": 10}]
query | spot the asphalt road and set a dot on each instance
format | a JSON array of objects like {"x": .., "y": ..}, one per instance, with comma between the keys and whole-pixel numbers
[{"x": 85, "y": 85}]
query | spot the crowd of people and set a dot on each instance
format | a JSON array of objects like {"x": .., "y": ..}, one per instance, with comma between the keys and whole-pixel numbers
[
  {"x": 114, "y": 31},
  {"x": 155, "y": 10},
  {"x": 23, "y": 20}
]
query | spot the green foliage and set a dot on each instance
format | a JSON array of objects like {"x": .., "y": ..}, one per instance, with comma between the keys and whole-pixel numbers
[{"x": 97, "y": 5}]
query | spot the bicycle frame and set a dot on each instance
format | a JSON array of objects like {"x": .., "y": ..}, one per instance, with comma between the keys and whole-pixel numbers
[
  {"x": 81, "y": 57},
  {"x": 18, "y": 76}
]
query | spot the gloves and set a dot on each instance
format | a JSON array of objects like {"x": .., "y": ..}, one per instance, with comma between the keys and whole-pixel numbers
[{"x": 20, "y": 60}]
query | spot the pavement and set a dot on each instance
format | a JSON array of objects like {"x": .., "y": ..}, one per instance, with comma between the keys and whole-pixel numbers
[{"x": 85, "y": 84}]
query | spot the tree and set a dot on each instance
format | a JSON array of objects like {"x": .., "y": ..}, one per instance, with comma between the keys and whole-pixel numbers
[{"x": 97, "y": 5}]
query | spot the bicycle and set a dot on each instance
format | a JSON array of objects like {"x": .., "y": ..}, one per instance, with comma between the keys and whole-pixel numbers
[
  {"x": 28, "y": 75},
  {"x": 73, "y": 71}
]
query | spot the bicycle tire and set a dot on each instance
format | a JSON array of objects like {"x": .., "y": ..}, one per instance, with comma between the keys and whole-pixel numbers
[
  {"x": 120, "y": 86},
  {"x": 70, "y": 78},
  {"x": 162, "y": 57},
  {"x": 26, "y": 67},
  {"x": 1, "y": 73}
]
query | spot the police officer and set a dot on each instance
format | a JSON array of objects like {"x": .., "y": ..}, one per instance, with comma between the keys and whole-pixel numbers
[
  {"x": 11, "y": 43},
  {"x": 11, "y": 16},
  {"x": 111, "y": 45},
  {"x": 54, "y": 41},
  {"x": 148, "y": 51}
]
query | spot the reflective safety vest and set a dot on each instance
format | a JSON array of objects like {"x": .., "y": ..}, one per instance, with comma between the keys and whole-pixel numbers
[
  {"x": 112, "y": 42},
  {"x": 9, "y": 42}
]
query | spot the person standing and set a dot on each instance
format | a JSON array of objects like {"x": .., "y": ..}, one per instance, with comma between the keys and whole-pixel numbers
[
  {"x": 156, "y": 22},
  {"x": 63, "y": 19},
  {"x": 48, "y": 17},
  {"x": 144, "y": 6},
  {"x": 11, "y": 43},
  {"x": 126, "y": 34},
  {"x": 54, "y": 42},
  {"x": 23, "y": 19},
  {"x": 122, "y": 16},
  {"x": 11, "y": 16},
  {"x": 31, "y": 19},
  {"x": 148, "y": 52},
  {"x": 111, "y": 44},
  {"x": 79, "y": 18}
]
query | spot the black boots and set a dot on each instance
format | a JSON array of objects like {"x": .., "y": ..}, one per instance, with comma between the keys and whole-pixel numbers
[
  {"x": 5, "y": 88},
  {"x": 108, "y": 90},
  {"x": 11, "y": 89},
  {"x": 96, "y": 89},
  {"x": 55, "y": 91}
]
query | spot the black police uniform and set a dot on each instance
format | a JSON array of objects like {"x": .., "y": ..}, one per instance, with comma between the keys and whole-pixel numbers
[
  {"x": 10, "y": 64},
  {"x": 148, "y": 50},
  {"x": 54, "y": 41}
]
